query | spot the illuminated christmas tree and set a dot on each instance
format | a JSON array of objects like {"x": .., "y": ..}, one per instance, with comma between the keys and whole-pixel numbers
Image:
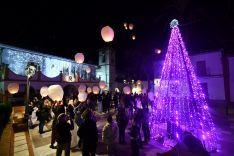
[{"x": 181, "y": 104}]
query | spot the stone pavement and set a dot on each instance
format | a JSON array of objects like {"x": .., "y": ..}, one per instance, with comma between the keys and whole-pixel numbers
[
  {"x": 41, "y": 143},
  {"x": 32, "y": 143},
  {"x": 225, "y": 131}
]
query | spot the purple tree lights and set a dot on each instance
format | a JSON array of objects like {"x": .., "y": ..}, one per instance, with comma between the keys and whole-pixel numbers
[{"x": 180, "y": 104}]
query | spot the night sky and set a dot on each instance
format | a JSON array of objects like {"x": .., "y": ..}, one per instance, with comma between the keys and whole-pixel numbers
[{"x": 63, "y": 29}]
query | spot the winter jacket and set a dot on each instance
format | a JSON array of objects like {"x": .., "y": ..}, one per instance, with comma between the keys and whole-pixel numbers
[{"x": 110, "y": 133}]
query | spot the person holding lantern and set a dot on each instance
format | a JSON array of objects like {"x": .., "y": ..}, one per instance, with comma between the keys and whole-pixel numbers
[
  {"x": 63, "y": 127},
  {"x": 88, "y": 134}
]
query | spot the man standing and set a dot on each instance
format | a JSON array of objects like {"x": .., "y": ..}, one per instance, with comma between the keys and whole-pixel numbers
[
  {"x": 63, "y": 134},
  {"x": 88, "y": 134},
  {"x": 110, "y": 135}
]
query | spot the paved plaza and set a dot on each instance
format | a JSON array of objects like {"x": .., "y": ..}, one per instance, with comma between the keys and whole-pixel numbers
[{"x": 32, "y": 143}]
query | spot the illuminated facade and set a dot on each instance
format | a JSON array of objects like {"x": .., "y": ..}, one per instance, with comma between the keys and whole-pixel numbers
[{"x": 49, "y": 68}]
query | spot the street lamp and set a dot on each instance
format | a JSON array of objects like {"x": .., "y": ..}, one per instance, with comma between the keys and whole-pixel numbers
[{"x": 30, "y": 71}]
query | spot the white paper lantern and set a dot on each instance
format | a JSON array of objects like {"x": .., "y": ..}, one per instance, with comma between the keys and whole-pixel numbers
[
  {"x": 107, "y": 34},
  {"x": 13, "y": 88},
  {"x": 102, "y": 84},
  {"x": 126, "y": 90},
  {"x": 82, "y": 88},
  {"x": 88, "y": 70},
  {"x": 79, "y": 58},
  {"x": 89, "y": 89},
  {"x": 151, "y": 96},
  {"x": 82, "y": 96},
  {"x": 44, "y": 91},
  {"x": 95, "y": 89},
  {"x": 55, "y": 92},
  {"x": 133, "y": 37}
]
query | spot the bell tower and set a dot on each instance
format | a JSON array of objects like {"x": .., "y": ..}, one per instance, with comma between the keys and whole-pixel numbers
[{"x": 106, "y": 67}]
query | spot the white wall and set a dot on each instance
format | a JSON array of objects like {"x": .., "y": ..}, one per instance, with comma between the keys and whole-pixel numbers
[
  {"x": 231, "y": 71},
  {"x": 213, "y": 62},
  {"x": 214, "y": 78},
  {"x": 215, "y": 87}
]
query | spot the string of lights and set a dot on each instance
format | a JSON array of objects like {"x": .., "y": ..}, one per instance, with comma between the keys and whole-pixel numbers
[{"x": 181, "y": 103}]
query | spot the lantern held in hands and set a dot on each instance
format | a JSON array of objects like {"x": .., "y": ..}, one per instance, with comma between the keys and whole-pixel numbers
[
  {"x": 13, "y": 88},
  {"x": 89, "y": 90},
  {"x": 44, "y": 91},
  {"x": 82, "y": 96},
  {"x": 95, "y": 89},
  {"x": 102, "y": 84},
  {"x": 55, "y": 92}
]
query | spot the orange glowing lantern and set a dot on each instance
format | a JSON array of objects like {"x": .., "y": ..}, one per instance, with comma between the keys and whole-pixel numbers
[
  {"x": 107, "y": 34},
  {"x": 102, "y": 84},
  {"x": 13, "y": 88},
  {"x": 79, "y": 58},
  {"x": 130, "y": 26},
  {"x": 95, "y": 89},
  {"x": 89, "y": 89}
]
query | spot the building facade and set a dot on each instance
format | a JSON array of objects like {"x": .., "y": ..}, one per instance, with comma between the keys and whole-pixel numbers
[
  {"x": 215, "y": 72},
  {"x": 50, "y": 69},
  {"x": 106, "y": 67}
]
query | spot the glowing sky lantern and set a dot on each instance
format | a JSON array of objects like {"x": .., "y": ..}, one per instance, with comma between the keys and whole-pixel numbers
[
  {"x": 126, "y": 90},
  {"x": 88, "y": 70},
  {"x": 102, "y": 84},
  {"x": 55, "y": 92},
  {"x": 44, "y": 91},
  {"x": 130, "y": 26},
  {"x": 13, "y": 88},
  {"x": 133, "y": 37},
  {"x": 107, "y": 34},
  {"x": 95, "y": 89},
  {"x": 79, "y": 58}
]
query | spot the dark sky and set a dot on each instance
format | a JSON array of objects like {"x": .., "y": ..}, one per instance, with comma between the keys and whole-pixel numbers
[{"x": 64, "y": 29}]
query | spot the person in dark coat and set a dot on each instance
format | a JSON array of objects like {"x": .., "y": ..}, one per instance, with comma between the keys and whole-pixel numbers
[
  {"x": 135, "y": 138},
  {"x": 63, "y": 134},
  {"x": 145, "y": 125},
  {"x": 57, "y": 109},
  {"x": 122, "y": 121},
  {"x": 88, "y": 134},
  {"x": 43, "y": 115}
]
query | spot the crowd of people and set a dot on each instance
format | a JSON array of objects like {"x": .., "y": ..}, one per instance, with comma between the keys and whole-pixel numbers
[{"x": 74, "y": 123}]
